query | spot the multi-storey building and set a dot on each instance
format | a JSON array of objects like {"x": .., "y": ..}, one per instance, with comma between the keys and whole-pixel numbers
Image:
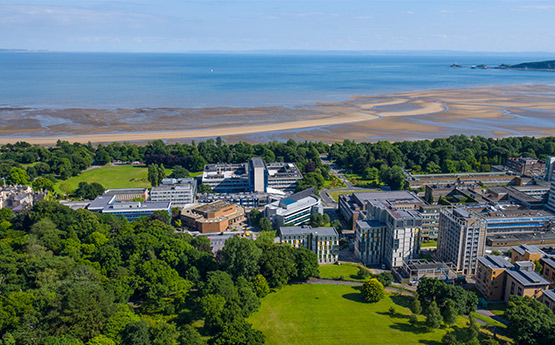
[
  {"x": 497, "y": 279},
  {"x": 180, "y": 191},
  {"x": 462, "y": 238},
  {"x": 254, "y": 176},
  {"x": 549, "y": 168},
  {"x": 548, "y": 271},
  {"x": 369, "y": 235},
  {"x": 523, "y": 281},
  {"x": 388, "y": 235},
  {"x": 324, "y": 241},
  {"x": 526, "y": 166},
  {"x": 526, "y": 252},
  {"x": 351, "y": 206},
  {"x": 548, "y": 298},
  {"x": 295, "y": 209},
  {"x": 430, "y": 221},
  {"x": 491, "y": 277}
]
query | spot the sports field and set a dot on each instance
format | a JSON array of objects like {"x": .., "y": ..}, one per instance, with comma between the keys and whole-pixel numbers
[
  {"x": 335, "y": 314},
  {"x": 125, "y": 176}
]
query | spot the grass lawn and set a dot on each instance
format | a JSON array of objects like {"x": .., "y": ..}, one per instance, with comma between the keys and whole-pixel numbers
[
  {"x": 488, "y": 320},
  {"x": 348, "y": 272},
  {"x": 429, "y": 244},
  {"x": 497, "y": 308},
  {"x": 335, "y": 314},
  {"x": 334, "y": 183},
  {"x": 124, "y": 176},
  {"x": 335, "y": 195}
]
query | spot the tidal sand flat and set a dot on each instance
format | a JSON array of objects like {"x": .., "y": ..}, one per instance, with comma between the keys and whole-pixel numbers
[{"x": 486, "y": 111}]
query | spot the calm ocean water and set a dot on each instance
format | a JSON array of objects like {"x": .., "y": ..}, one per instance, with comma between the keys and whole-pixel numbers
[{"x": 114, "y": 80}]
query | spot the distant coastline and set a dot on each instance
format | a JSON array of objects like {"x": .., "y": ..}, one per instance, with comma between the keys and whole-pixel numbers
[{"x": 548, "y": 65}]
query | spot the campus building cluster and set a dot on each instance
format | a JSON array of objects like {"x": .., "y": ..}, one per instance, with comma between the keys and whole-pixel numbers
[
  {"x": 323, "y": 241},
  {"x": 530, "y": 272}
]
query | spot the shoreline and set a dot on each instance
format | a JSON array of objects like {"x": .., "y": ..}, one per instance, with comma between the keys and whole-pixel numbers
[{"x": 486, "y": 111}]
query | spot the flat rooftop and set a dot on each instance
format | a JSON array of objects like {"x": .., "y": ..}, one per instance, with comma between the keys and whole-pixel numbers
[
  {"x": 495, "y": 262},
  {"x": 213, "y": 206},
  {"x": 297, "y": 230},
  {"x": 528, "y": 278},
  {"x": 393, "y": 197}
]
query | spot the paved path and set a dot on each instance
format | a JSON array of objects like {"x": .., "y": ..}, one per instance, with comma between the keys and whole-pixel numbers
[{"x": 489, "y": 314}]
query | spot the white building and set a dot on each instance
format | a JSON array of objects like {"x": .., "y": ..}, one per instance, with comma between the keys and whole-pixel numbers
[
  {"x": 462, "y": 238},
  {"x": 324, "y": 241},
  {"x": 179, "y": 191},
  {"x": 254, "y": 176},
  {"x": 295, "y": 209}
]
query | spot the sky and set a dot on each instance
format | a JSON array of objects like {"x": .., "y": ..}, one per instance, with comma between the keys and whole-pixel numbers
[{"x": 239, "y": 25}]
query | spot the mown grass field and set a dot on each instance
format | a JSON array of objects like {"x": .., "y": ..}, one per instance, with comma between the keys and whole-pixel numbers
[
  {"x": 335, "y": 314},
  {"x": 125, "y": 176},
  {"x": 344, "y": 271}
]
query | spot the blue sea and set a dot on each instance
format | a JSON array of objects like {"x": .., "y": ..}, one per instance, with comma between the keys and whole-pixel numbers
[{"x": 132, "y": 80}]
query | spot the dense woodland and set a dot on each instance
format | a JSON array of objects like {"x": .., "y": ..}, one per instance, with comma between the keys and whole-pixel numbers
[
  {"x": 77, "y": 277},
  {"x": 382, "y": 161}
]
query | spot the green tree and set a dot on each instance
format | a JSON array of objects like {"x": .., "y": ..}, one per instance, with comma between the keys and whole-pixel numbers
[
  {"x": 248, "y": 299},
  {"x": 238, "y": 332},
  {"x": 189, "y": 336},
  {"x": 372, "y": 290},
  {"x": 386, "y": 278},
  {"x": 415, "y": 306},
  {"x": 261, "y": 286},
  {"x": 65, "y": 188},
  {"x": 449, "y": 313},
  {"x": 337, "y": 225},
  {"x": 101, "y": 340},
  {"x": 277, "y": 264},
  {"x": 265, "y": 237},
  {"x": 413, "y": 319},
  {"x": 179, "y": 172},
  {"x": 41, "y": 183},
  {"x": 433, "y": 316},
  {"x": 136, "y": 333},
  {"x": 69, "y": 315},
  {"x": 450, "y": 339},
  {"x": 538, "y": 267},
  {"x": 204, "y": 188},
  {"x": 240, "y": 257},
  {"x": 153, "y": 175},
  {"x": 364, "y": 273},
  {"x": 307, "y": 264},
  {"x": 17, "y": 176},
  {"x": 265, "y": 224}
]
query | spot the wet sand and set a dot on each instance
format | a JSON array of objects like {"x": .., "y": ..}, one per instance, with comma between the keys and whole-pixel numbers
[{"x": 489, "y": 111}]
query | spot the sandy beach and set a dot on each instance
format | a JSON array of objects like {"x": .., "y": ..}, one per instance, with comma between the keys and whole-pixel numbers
[{"x": 489, "y": 111}]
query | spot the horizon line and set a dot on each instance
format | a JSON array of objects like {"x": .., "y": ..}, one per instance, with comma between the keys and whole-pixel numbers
[{"x": 242, "y": 51}]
